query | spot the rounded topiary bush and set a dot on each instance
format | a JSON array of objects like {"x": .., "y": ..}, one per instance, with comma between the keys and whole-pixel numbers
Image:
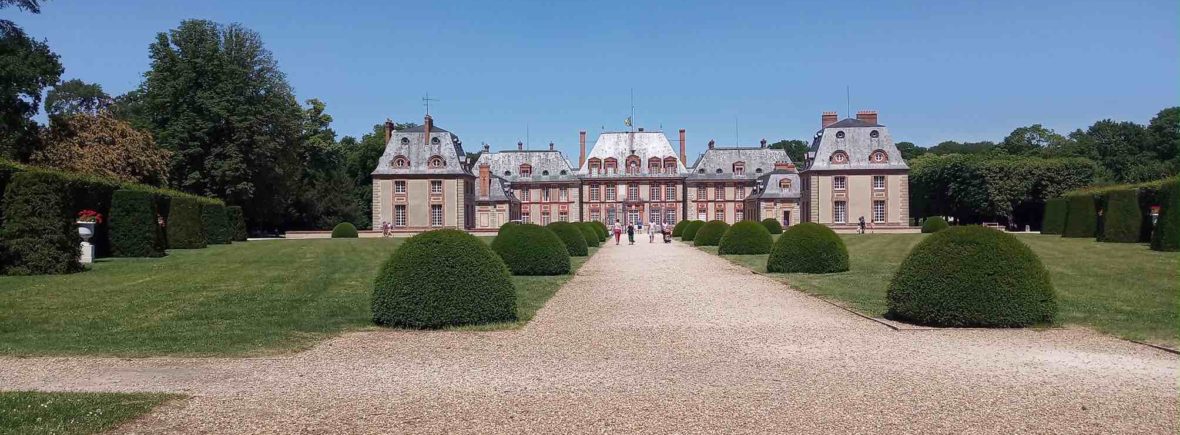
[
  {"x": 772, "y": 225},
  {"x": 39, "y": 234},
  {"x": 134, "y": 229},
  {"x": 593, "y": 239},
  {"x": 344, "y": 230},
  {"x": 934, "y": 224},
  {"x": 216, "y": 224},
  {"x": 575, "y": 244},
  {"x": 690, "y": 230},
  {"x": 746, "y": 238},
  {"x": 443, "y": 278},
  {"x": 972, "y": 276},
  {"x": 678, "y": 229},
  {"x": 530, "y": 249},
  {"x": 184, "y": 224},
  {"x": 710, "y": 233},
  {"x": 1121, "y": 217},
  {"x": 808, "y": 247},
  {"x": 1081, "y": 219},
  {"x": 603, "y": 229},
  {"x": 1166, "y": 236},
  {"x": 237, "y": 223}
]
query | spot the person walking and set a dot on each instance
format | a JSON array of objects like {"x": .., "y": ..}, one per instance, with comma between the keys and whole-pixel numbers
[
  {"x": 618, "y": 230},
  {"x": 651, "y": 232},
  {"x": 861, "y": 225},
  {"x": 630, "y": 234}
]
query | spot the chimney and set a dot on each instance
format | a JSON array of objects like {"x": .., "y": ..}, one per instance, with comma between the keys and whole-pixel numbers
[
  {"x": 550, "y": 146},
  {"x": 683, "y": 155},
  {"x": 711, "y": 143},
  {"x": 485, "y": 180},
  {"x": 388, "y": 129},
  {"x": 582, "y": 148},
  {"x": 641, "y": 129},
  {"x": 429, "y": 125},
  {"x": 869, "y": 116},
  {"x": 828, "y": 118},
  {"x": 520, "y": 146},
  {"x": 763, "y": 143},
  {"x": 783, "y": 166}
]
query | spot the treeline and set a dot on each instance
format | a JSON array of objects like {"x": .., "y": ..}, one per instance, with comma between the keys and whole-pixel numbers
[{"x": 213, "y": 116}]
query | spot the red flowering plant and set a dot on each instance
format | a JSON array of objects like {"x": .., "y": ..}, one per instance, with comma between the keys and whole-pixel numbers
[{"x": 90, "y": 216}]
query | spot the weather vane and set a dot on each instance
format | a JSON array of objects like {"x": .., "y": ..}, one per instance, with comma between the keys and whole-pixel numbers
[{"x": 427, "y": 101}]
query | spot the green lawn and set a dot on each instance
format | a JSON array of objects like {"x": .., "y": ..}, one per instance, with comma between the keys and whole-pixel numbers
[
  {"x": 1122, "y": 289},
  {"x": 33, "y": 413},
  {"x": 252, "y": 298}
]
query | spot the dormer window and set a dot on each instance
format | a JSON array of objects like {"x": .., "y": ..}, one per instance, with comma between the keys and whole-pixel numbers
[
  {"x": 507, "y": 173},
  {"x": 701, "y": 171},
  {"x": 400, "y": 162},
  {"x": 670, "y": 165},
  {"x": 839, "y": 135},
  {"x": 879, "y": 156},
  {"x": 874, "y": 134},
  {"x": 595, "y": 166},
  {"x": 563, "y": 172},
  {"x": 653, "y": 165},
  {"x": 739, "y": 168},
  {"x": 839, "y": 157},
  {"x": 632, "y": 165},
  {"x": 526, "y": 170},
  {"x": 718, "y": 170},
  {"x": 435, "y": 162},
  {"x": 758, "y": 171},
  {"x": 611, "y": 165},
  {"x": 435, "y": 141},
  {"x": 545, "y": 173},
  {"x": 405, "y": 141},
  {"x": 784, "y": 183}
]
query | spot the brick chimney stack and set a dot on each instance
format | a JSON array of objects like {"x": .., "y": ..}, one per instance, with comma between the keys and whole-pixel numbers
[
  {"x": 389, "y": 125},
  {"x": 711, "y": 143},
  {"x": 485, "y": 180},
  {"x": 783, "y": 166},
  {"x": 763, "y": 143},
  {"x": 428, "y": 122},
  {"x": 550, "y": 146},
  {"x": 582, "y": 148},
  {"x": 869, "y": 116},
  {"x": 827, "y": 119},
  {"x": 683, "y": 154}
]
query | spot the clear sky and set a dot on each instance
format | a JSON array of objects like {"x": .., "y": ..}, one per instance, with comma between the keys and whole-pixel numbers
[{"x": 935, "y": 70}]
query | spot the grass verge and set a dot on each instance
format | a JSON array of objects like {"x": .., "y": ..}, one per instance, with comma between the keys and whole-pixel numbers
[{"x": 35, "y": 413}]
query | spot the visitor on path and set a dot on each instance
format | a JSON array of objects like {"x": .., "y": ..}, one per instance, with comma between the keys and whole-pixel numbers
[
  {"x": 630, "y": 234},
  {"x": 618, "y": 230},
  {"x": 861, "y": 225},
  {"x": 651, "y": 232},
  {"x": 666, "y": 230}
]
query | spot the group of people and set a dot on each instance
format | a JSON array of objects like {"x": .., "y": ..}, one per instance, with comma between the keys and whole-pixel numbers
[{"x": 653, "y": 229}]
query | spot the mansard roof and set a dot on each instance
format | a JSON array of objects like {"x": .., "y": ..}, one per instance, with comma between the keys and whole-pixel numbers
[
  {"x": 717, "y": 163},
  {"x": 499, "y": 191},
  {"x": 769, "y": 186},
  {"x": 857, "y": 143},
  {"x": 418, "y": 149},
  {"x": 642, "y": 144},
  {"x": 507, "y": 164}
]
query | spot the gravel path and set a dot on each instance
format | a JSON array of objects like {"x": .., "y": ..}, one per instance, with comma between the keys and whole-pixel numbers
[{"x": 656, "y": 338}]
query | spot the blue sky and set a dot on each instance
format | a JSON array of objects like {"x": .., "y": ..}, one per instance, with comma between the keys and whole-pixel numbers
[{"x": 935, "y": 70}]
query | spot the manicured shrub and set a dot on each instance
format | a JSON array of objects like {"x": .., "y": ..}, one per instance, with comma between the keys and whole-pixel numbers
[
  {"x": 344, "y": 230},
  {"x": 810, "y": 248},
  {"x": 593, "y": 239},
  {"x": 1081, "y": 219},
  {"x": 530, "y": 249},
  {"x": 678, "y": 229},
  {"x": 599, "y": 229},
  {"x": 972, "y": 276},
  {"x": 575, "y": 244},
  {"x": 934, "y": 224},
  {"x": 216, "y": 223},
  {"x": 746, "y": 238},
  {"x": 134, "y": 230},
  {"x": 1166, "y": 236},
  {"x": 237, "y": 223},
  {"x": 710, "y": 233},
  {"x": 772, "y": 225},
  {"x": 1120, "y": 217},
  {"x": 39, "y": 235},
  {"x": 690, "y": 230},
  {"x": 184, "y": 224},
  {"x": 443, "y": 278},
  {"x": 1054, "y": 220},
  {"x": 604, "y": 230}
]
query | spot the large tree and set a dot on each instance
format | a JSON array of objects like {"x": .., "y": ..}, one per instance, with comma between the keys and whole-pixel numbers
[
  {"x": 1032, "y": 139},
  {"x": 72, "y": 97},
  {"x": 1123, "y": 149},
  {"x": 796, "y": 149},
  {"x": 216, "y": 97},
  {"x": 103, "y": 145},
  {"x": 953, "y": 147},
  {"x": 324, "y": 196},
  {"x": 27, "y": 67},
  {"x": 909, "y": 151},
  {"x": 1165, "y": 135}
]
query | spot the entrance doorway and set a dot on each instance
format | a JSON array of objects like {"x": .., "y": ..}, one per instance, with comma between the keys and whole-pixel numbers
[{"x": 786, "y": 218}]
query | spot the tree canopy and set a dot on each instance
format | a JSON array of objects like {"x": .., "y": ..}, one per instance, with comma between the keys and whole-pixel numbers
[
  {"x": 72, "y": 97},
  {"x": 29, "y": 66},
  {"x": 103, "y": 145},
  {"x": 796, "y": 149}
]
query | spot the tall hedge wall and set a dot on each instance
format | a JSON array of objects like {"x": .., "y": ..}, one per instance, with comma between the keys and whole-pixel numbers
[
  {"x": 237, "y": 223},
  {"x": 134, "y": 230},
  {"x": 39, "y": 234},
  {"x": 1121, "y": 219},
  {"x": 1053, "y": 222},
  {"x": 185, "y": 230},
  {"x": 1166, "y": 236},
  {"x": 216, "y": 224},
  {"x": 1081, "y": 219}
]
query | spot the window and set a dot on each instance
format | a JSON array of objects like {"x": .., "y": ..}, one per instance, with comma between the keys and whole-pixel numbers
[
  {"x": 839, "y": 157},
  {"x": 839, "y": 183},
  {"x": 719, "y": 215},
  {"x": 563, "y": 216},
  {"x": 719, "y": 192},
  {"x": 632, "y": 165},
  {"x": 401, "y": 162},
  {"x": 878, "y": 211},
  {"x": 563, "y": 194},
  {"x": 670, "y": 165},
  {"x": 702, "y": 215},
  {"x": 545, "y": 218},
  {"x": 612, "y": 165},
  {"x": 654, "y": 193},
  {"x": 594, "y": 191},
  {"x": 718, "y": 170},
  {"x": 784, "y": 184},
  {"x": 739, "y": 168},
  {"x": 399, "y": 215},
  {"x": 632, "y": 192},
  {"x": 878, "y": 182},
  {"x": 399, "y": 186},
  {"x": 526, "y": 194},
  {"x": 436, "y": 215},
  {"x": 435, "y": 140},
  {"x": 653, "y": 165},
  {"x": 507, "y": 173},
  {"x": 405, "y": 141},
  {"x": 654, "y": 215},
  {"x": 879, "y": 157},
  {"x": 435, "y": 162},
  {"x": 739, "y": 192},
  {"x": 840, "y": 212},
  {"x": 435, "y": 186},
  {"x": 524, "y": 217},
  {"x": 739, "y": 215},
  {"x": 610, "y": 216},
  {"x": 595, "y": 166},
  {"x": 702, "y": 193},
  {"x": 526, "y": 170},
  {"x": 595, "y": 216},
  {"x": 545, "y": 194},
  {"x": 670, "y": 216},
  {"x": 874, "y": 134},
  {"x": 610, "y": 192},
  {"x": 670, "y": 193},
  {"x": 839, "y": 135},
  {"x": 545, "y": 173},
  {"x": 632, "y": 216},
  {"x": 758, "y": 171}
]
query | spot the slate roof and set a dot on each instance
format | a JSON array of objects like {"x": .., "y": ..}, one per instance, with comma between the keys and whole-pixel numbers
[
  {"x": 643, "y": 144},
  {"x": 506, "y": 164},
  {"x": 768, "y": 186},
  {"x": 498, "y": 192},
  {"x": 755, "y": 158},
  {"x": 412, "y": 144},
  {"x": 857, "y": 143}
]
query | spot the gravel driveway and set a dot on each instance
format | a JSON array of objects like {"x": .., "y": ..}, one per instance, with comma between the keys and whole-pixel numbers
[{"x": 656, "y": 338}]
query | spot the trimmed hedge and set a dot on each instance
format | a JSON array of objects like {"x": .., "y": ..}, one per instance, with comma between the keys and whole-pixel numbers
[
  {"x": 972, "y": 276},
  {"x": 604, "y": 229},
  {"x": 746, "y": 238},
  {"x": 678, "y": 229},
  {"x": 216, "y": 223},
  {"x": 690, "y": 230},
  {"x": 572, "y": 237},
  {"x": 808, "y": 247},
  {"x": 414, "y": 289},
  {"x": 1166, "y": 236},
  {"x": 344, "y": 230},
  {"x": 1081, "y": 219},
  {"x": 237, "y": 223},
  {"x": 1053, "y": 222},
  {"x": 772, "y": 225},
  {"x": 710, "y": 233},
  {"x": 1121, "y": 219},
  {"x": 530, "y": 249},
  {"x": 184, "y": 224},
  {"x": 599, "y": 229},
  {"x": 593, "y": 239},
  {"x": 134, "y": 230},
  {"x": 934, "y": 224},
  {"x": 39, "y": 235}
]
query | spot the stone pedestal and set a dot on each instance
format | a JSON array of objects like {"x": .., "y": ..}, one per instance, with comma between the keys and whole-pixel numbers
[{"x": 87, "y": 253}]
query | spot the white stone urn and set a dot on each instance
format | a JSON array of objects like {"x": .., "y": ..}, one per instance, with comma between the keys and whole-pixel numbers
[{"x": 86, "y": 230}]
